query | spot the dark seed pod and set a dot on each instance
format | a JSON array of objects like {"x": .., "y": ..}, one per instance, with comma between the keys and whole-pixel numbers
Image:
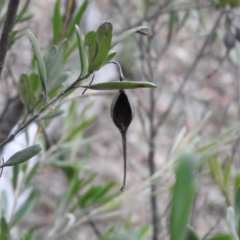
[
  {"x": 122, "y": 113},
  {"x": 229, "y": 40}
]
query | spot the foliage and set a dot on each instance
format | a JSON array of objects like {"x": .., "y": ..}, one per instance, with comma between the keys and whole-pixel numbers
[{"x": 47, "y": 86}]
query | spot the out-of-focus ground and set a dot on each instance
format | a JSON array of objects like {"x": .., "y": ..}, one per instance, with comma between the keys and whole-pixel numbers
[{"x": 217, "y": 94}]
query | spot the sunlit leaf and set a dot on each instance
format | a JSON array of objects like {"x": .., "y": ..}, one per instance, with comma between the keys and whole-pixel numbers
[{"x": 116, "y": 85}]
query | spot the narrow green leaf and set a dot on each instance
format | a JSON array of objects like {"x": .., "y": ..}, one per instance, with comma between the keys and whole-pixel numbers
[
  {"x": 191, "y": 234},
  {"x": 53, "y": 114},
  {"x": 109, "y": 57},
  {"x": 4, "y": 229},
  {"x": 25, "y": 90},
  {"x": 183, "y": 193},
  {"x": 128, "y": 34},
  {"x": 237, "y": 207},
  {"x": 91, "y": 45},
  {"x": 143, "y": 232},
  {"x": 31, "y": 173},
  {"x": 220, "y": 237},
  {"x": 40, "y": 61},
  {"x": 116, "y": 85},
  {"x": 57, "y": 22},
  {"x": 82, "y": 52},
  {"x": 103, "y": 40},
  {"x": 23, "y": 11},
  {"x": 29, "y": 235},
  {"x": 26, "y": 208},
  {"x": 231, "y": 220},
  {"x": 173, "y": 20},
  {"x": 26, "y": 17},
  {"x": 77, "y": 18},
  {"x": 227, "y": 172},
  {"x": 15, "y": 176},
  {"x": 236, "y": 183},
  {"x": 76, "y": 131},
  {"x": 35, "y": 84},
  {"x": 23, "y": 155},
  {"x": 3, "y": 203}
]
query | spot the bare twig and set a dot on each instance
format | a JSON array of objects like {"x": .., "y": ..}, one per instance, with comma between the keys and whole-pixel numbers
[
  {"x": 7, "y": 29},
  {"x": 164, "y": 116},
  {"x": 121, "y": 77}
]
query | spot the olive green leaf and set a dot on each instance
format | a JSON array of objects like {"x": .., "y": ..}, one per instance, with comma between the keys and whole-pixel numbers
[
  {"x": 90, "y": 42},
  {"x": 128, "y": 34},
  {"x": 103, "y": 41},
  {"x": 77, "y": 18},
  {"x": 82, "y": 51},
  {"x": 109, "y": 57},
  {"x": 183, "y": 193},
  {"x": 40, "y": 61},
  {"x": 116, "y": 85},
  {"x": 57, "y": 22},
  {"x": 22, "y": 156}
]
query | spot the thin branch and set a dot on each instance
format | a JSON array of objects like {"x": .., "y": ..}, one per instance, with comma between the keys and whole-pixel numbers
[
  {"x": 7, "y": 29},
  {"x": 163, "y": 9},
  {"x": 36, "y": 115},
  {"x": 190, "y": 71}
]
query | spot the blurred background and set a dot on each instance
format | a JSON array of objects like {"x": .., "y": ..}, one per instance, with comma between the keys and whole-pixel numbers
[{"x": 71, "y": 190}]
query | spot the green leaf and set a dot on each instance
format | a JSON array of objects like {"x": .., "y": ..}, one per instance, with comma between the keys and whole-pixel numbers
[
  {"x": 236, "y": 183},
  {"x": 23, "y": 155},
  {"x": 4, "y": 229},
  {"x": 3, "y": 203},
  {"x": 231, "y": 220},
  {"x": 25, "y": 90},
  {"x": 221, "y": 237},
  {"x": 77, "y": 18},
  {"x": 128, "y": 34},
  {"x": 53, "y": 114},
  {"x": 76, "y": 131},
  {"x": 191, "y": 234},
  {"x": 227, "y": 173},
  {"x": 26, "y": 17},
  {"x": 82, "y": 52},
  {"x": 237, "y": 207},
  {"x": 54, "y": 62},
  {"x": 91, "y": 45},
  {"x": 15, "y": 176},
  {"x": 109, "y": 57},
  {"x": 183, "y": 193},
  {"x": 31, "y": 173},
  {"x": 29, "y": 235},
  {"x": 40, "y": 61},
  {"x": 143, "y": 232},
  {"x": 26, "y": 208},
  {"x": 35, "y": 84},
  {"x": 103, "y": 40},
  {"x": 22, "y": 12},
  {"x": 116, "y": 85},
  {"x": 57, "y": 22}
]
